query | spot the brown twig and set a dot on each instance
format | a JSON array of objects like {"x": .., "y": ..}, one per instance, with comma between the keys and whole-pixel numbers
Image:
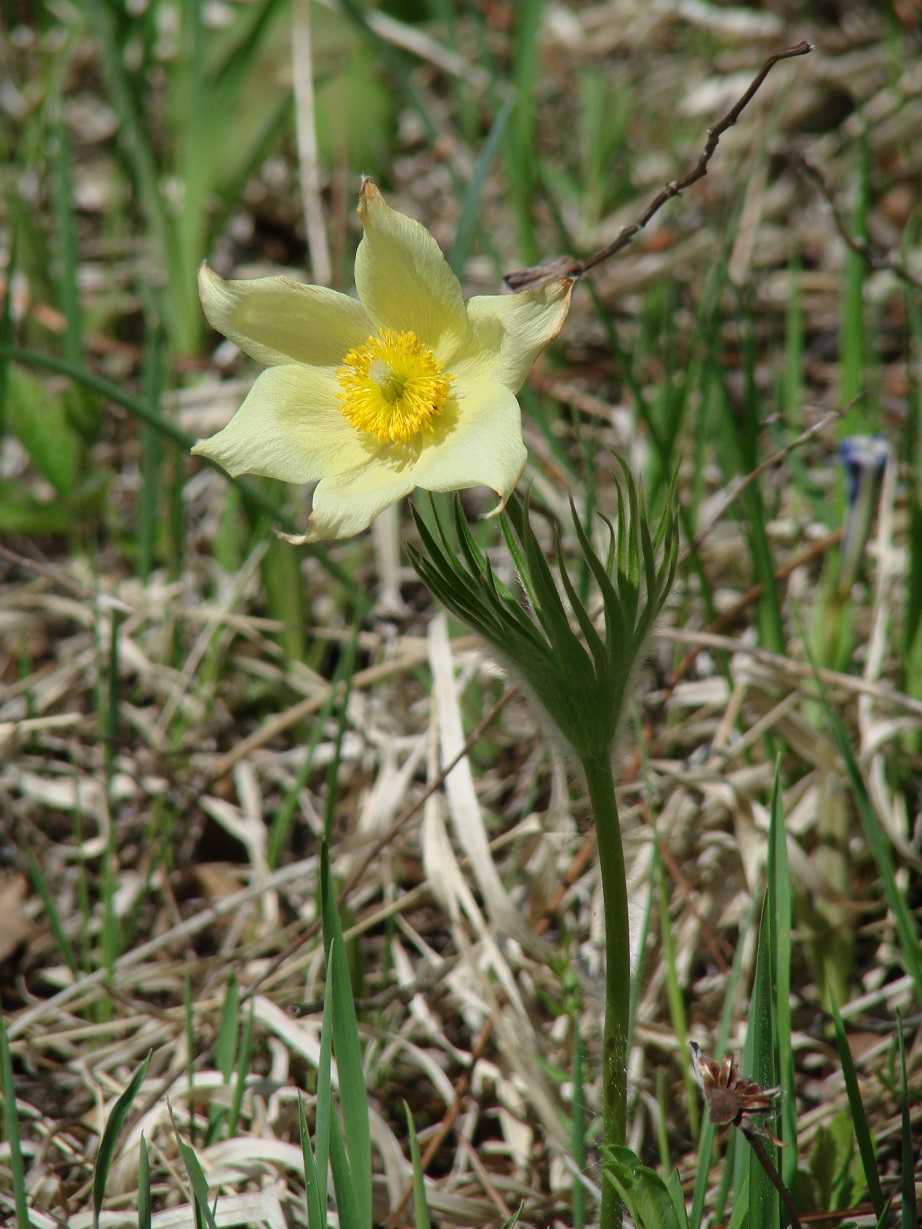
[
  {"x": 872, "y": 256},
  {"x": 735, "y": 612},
  {"x": 771, "y": 462},
  {"x": 569, "y": 266}
]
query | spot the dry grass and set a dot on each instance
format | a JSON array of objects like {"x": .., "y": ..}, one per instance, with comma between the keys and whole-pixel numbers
[{"x": 144, "y": 799}]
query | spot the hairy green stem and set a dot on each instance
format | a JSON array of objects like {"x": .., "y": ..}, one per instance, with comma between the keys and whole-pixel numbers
[{"x": 601, "y": 783}]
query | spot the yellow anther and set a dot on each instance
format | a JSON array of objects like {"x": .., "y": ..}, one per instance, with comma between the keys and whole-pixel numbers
[{"x": 392, "y": 386}]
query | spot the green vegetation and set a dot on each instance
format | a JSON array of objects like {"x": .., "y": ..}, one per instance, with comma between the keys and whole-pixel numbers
[{"x": 300, "y": 902}]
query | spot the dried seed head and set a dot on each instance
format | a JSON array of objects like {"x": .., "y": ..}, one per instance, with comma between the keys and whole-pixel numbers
[{"x": 730, "y": 1096}]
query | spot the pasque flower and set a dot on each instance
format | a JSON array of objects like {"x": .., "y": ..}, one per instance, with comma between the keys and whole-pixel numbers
[{"x": 406, "y": 386}]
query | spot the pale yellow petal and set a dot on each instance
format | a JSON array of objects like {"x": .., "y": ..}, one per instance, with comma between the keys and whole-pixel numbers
[
  {"x": 277, "y": 320},
  {"x": 508, "y": 332},
  {"x": 347, "y": 503},
  {"x": 480, "y": 446},
  {"x": 289, "y": 427},
  {"x": 403, "y": 280}
]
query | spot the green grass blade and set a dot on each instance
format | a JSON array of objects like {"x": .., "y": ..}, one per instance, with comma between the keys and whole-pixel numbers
[
  {"x": 191, "y": 1049},
  {"x": 578, "y": 1125},
  {"x": 226, "y": 1041},
  {"x": 904, "y": 923},
  {"x": 68, "y": 259},
  {"x": 759, "y": 1062},
  {"x": 11, "y": 1118},
  {"x": 781, "y": 909},
  {"x": 324, "y": 1104},
  {"x": 420, "y": 1207},
  {"x": 707, "y": 1135},
  {"x": 51, "y": 910},
  {"x": 674, "y": 1186},
  {"x": 197, "y": 1179},
  {"x": 110, "y": 1136},
  {"x": 348, "y": 1195},
  {"x": 7, "y": 330},
  {"x": 467, "y": 223},
  {"x": 225, "y": 1053},
  {"x": 144, "y": 1201},
  {"x": 135, "y": 133},
  {"x": 740, "y": 1212},
  {"x": 522, "y": 135},
  {"x": 243, "y": 1067},
  {"x": 859, "y": 1118},
  {"x": 152, "y": 456},
  {"x": 316, "y": 1212},
  {"x": 253, "y": 496},
  {"x": 347, "y": 1047},
  {"x": 909, "y": 1214}
]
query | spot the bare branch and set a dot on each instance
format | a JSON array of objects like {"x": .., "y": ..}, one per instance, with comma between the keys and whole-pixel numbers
[
  {"x": 569, "y": 266},
  {"x": 861, "y": 247}
]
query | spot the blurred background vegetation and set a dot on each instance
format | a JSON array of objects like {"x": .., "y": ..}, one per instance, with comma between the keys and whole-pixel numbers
[{"x": 188, "y": 706}]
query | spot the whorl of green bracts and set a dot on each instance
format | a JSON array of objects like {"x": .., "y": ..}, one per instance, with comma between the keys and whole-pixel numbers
[{"x": 580, "y": 678}]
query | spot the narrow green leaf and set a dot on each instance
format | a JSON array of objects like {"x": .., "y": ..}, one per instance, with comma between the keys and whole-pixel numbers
[
  {"x": 11, "y": 1118},
  {"x": 225, "y": 1053},
  {"x": 110, "y": 1136},
  {"x": 903, "y": 920},
  {"x": 759, "y": 1062},
  {"x": 859, "y": 1118},
  {"x": 51, "y": 909},
  {"x": 674, "y": 1186},
  {"x": 578, "y": 1127},
  {"x": 226, "y": 1044},
  {"x": 347, "y": 1047},
  {"x": 644, "y": 1192},
  {"x": 614, "y": 616},
  {"x": 324, "y": 1102},
  {"x": 253, "y": 495},
  {"x": 38, "y": 418},
  {"x": 316, "y": 1212},
  {"x": 909, "y": 1214},
  {"x": 153, "y": 455},
  {"x": 514, "y": 1218},
  {"x": 66, "y": 234},
  {"x": 136, "y": 136},
  {"x": 420, "y": 1206},
  {"x": 144, "y": 1200},
  {"x": 740, "y": 1212},
  {"x": 467, "y": 223},
  {"x": 243, "y": 1067},
  {"x": 197, "y": 1178},
  {"x": 590, "y": 635},
  {"x": 348, "y": 1195},
  {"x": 781, "y": 908},
  {"x": 727, "y": 1016}
]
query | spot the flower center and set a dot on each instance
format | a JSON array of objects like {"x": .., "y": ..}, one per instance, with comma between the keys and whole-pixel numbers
[{"x": 392, "y": 386}]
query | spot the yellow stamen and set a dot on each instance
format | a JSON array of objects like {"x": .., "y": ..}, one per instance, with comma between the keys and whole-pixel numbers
[{"x": 392, "y": 386}]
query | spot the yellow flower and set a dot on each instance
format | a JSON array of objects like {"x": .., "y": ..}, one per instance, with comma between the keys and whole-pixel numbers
[{"x": 405, "y": 386}]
